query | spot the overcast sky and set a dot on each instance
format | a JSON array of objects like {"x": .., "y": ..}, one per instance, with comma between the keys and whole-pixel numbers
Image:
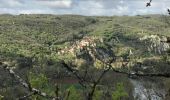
[{"x": 83, "y": 7}]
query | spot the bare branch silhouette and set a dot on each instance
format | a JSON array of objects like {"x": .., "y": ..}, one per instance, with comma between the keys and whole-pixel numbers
[
  {"x": 168, "y": 11},
  {"x": 33, "y": 91},
  {"x": 149, "y": 3},
  {"x": 26, "y": 96}
]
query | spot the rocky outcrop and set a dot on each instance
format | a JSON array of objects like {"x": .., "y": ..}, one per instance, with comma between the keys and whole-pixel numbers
[
  {"x": 91, "y": 54},
  {"x": 155, "y": 43}
]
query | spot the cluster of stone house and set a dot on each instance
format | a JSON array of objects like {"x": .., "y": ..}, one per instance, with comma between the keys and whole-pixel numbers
[{"x": 79, "y": 45}]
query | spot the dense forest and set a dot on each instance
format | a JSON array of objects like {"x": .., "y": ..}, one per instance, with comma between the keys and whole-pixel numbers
[{"x": 72, "y": 57}]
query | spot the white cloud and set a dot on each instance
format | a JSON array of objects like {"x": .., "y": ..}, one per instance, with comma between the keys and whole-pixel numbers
[
  {"x": 6, "y": 10},
  {"x": 10, "y": 3},
  {"x": 55, "y": 4},
  {"x": 14, "y": 3},
  {"x": 34, "y": 11},
  {"x": 84, "y": 7},
  {"x": 122, "y": 9}
]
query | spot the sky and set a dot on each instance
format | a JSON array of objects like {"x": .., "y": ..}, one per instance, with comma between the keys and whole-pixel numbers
[{"x": 84, "y": 7}]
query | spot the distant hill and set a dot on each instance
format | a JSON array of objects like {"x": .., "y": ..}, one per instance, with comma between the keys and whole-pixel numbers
[{"x": 25, "y": 34}]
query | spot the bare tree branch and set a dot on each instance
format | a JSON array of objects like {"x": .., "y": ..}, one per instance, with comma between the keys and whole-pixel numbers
[
  {"x": 68, "y": 94},
  {"x": 81, "y": 80},
  {"x": 26, "y": 96},
  {"x": 168, "y": 11},
  {"x": 90, "y": 96},
  {"x": 33, "y": 91},
  {"x": 166, "y": 75},
  {"x": 149, "y": 3}
]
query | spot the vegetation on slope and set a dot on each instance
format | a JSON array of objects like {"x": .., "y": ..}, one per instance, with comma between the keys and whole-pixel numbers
[{"x": 30, "y": 45}]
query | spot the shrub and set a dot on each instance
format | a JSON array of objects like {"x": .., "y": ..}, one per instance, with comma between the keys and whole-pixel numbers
[{"x": 120, "y": 92}]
